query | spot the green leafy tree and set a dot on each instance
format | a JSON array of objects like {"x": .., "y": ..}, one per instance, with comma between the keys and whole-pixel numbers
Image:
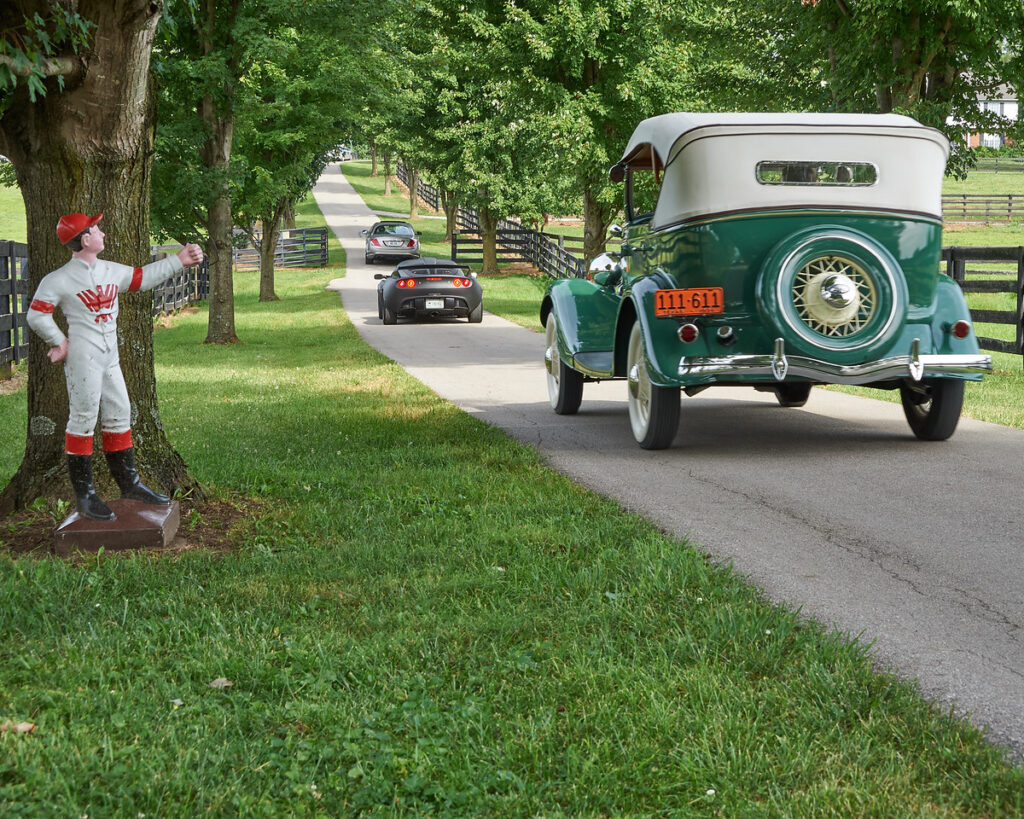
[
  {"x": 76, "y": 122},
  {"x": 286, "y": 124},
  {"x": 203, "y": 52},
  {"x": 931, "y": 59}
]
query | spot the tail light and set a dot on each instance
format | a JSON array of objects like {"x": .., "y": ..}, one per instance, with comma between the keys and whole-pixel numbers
[
  {"x": 689, "y": 333},
  {"x": 406, "y": 283},
  {"x": 961, "y": 329},
  {"x": 375, "y": 242},
  {"x": 412, "y": 243}
]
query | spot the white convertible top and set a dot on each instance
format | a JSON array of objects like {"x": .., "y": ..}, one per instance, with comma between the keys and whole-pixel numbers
[
  {"x": 710, "y": 161},
  {"x": 663, "y": 132}
]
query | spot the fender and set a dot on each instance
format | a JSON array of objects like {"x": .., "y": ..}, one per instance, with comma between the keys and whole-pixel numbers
[
  {"x": 949, "y": 307},
  {"x": 661, "y": 344},
  {"x": 586, "y": 314}
]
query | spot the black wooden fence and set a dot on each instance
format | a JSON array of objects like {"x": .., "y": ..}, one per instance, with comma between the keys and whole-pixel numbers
[
  {"x": 190, "y": 285},
  {"x": 13, "y": 305},
  {"x": 425, "y": 191},
  {"x": 972, "y": 207},
  {"x": 296, "y": 247},
  {"x": 994, "y": 270},
  {"x": 996, "y": 164}
]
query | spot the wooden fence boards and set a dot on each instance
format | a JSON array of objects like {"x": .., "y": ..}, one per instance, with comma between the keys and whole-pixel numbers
[{"x": 296, "y": 247}]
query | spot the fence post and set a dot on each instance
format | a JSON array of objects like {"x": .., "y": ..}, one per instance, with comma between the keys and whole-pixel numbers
[{"x": 1020, "y": 302}]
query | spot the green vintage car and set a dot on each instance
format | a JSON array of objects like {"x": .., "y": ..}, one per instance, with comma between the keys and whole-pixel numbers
[{"x": 775, "y": 251}]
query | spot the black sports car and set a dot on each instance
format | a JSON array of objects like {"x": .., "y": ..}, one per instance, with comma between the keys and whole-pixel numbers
[{"x": 429, "y": 288}]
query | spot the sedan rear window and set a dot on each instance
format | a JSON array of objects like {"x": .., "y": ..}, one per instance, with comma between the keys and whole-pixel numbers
[
  {"x": 393, "y": 230},
  {"x": 802, "y": 172}
]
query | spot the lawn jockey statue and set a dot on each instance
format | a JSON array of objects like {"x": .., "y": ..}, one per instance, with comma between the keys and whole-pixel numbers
[{"x": 86, "y": 291}]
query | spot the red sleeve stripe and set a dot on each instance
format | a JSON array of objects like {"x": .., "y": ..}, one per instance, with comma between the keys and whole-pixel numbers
[
  {"x": 136, "y": 280},
  {"x": 41, "y": 306}
]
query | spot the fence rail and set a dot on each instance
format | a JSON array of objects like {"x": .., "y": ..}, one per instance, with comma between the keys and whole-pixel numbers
[
  {"x": 189, "y": 285},
  {"x": 996, "y": 277},
  {"x": 973, "y": 207},
  {"x": 296, "y": 247},
  {"x": 13, "y": 304},
  {"x": 996, "y": 164}
]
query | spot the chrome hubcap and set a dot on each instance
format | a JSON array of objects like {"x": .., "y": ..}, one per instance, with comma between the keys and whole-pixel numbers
[{"x": 834, "y": 296}]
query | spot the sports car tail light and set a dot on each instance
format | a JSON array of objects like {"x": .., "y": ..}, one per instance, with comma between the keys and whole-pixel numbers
[
  {"x": 461, "y": 282},
  {"x": 412, "y": 282},
  {"x": 961, "y": 329},
  {"x": 457, "y": 282},
  {"x": 688, "y": 333},
  {"x": 406, "y": 283}
]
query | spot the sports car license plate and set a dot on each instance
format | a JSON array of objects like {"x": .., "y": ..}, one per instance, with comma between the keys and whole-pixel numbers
[
  {"x": 433, "y": 304},
  {"x": 689, "y": 301}
]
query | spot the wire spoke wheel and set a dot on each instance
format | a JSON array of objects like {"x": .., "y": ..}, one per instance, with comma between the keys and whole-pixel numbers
[
  {"x": 834, "y": 297},
  {"x": 653, "y": 410}
]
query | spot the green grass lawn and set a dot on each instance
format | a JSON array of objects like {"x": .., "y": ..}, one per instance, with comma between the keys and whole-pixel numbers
[{"x": 428, "y": 621}]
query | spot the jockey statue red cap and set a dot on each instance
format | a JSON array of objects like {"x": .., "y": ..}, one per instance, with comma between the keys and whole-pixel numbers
[{"x": 72, "y": 224}]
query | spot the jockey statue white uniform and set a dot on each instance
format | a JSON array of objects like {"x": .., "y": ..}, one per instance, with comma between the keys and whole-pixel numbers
[{"x": 86, "y": 289}]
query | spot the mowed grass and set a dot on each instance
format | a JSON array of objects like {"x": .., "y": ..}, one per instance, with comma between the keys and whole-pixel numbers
[{"x": 428, "y": 621}]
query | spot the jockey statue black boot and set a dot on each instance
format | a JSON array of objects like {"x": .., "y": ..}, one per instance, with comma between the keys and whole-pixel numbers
[
  {"x": 122, "y": 468},
  {"x": 86, "y": 500}
]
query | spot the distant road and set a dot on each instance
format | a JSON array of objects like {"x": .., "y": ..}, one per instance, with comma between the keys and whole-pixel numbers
[{"x": 834, "y": 508}]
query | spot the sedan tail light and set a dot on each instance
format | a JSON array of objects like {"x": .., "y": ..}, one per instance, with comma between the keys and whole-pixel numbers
[
  {"x": 412, "y": 243},
  {"x": 375, "y": 242}
]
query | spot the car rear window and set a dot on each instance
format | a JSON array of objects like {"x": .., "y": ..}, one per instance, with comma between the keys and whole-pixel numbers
[
  {"x": 393, "y": 230},
  {"x": 803, "y": 172}
]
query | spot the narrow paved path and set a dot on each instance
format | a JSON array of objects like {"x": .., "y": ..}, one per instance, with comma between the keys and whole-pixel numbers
[{"x": 835, "y": 508}]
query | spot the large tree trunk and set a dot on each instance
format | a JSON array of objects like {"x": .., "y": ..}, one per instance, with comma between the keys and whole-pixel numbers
[
  {"x": 88, "y": 148},
  {"x": 220, "y": 125},
  {"x": 268, "y": 248},
  {"x": 414, "y": 192},
  {"x": 450, "y": 203},
  {"x": 489, "y": 233},
  {"x": 387, "y": 173},
  {"x": 597, "y": 218}
]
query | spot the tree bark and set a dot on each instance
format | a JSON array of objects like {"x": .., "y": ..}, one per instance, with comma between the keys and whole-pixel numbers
[
  {"x": 89, "y": 148},
  {"x": 218, "y": 116},
  {"x": 268, "y": 249},
  {"x": 596, "y": 220},
  {"x": 414, "y": 192},
  {"x": 450, "y": 203},
  {"x": 489, "y": 233},
  {"x": 387, "y": 173},
  {"x": 288, "y": 215},
  {"x": 373, "y": 158}
]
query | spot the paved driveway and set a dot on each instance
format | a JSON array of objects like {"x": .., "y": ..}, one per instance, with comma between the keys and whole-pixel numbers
[{"x": 835, "y": 508}]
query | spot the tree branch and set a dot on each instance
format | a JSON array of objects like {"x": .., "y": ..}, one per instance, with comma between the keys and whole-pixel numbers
[{"x": 57, "y": 67}]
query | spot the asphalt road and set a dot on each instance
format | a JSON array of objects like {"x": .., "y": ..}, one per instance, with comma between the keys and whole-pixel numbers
[{"x": 834, "y": 508}]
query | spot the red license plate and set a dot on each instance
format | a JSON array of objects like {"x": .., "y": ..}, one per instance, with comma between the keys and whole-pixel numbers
[{"x": 690, "y": 301}]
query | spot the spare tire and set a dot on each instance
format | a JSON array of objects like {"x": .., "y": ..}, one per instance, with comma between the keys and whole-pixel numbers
[{"x": 833, "y": 293}]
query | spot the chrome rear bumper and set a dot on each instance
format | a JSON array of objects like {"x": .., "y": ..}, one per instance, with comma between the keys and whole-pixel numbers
[{"x": 778, "y": 366}]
